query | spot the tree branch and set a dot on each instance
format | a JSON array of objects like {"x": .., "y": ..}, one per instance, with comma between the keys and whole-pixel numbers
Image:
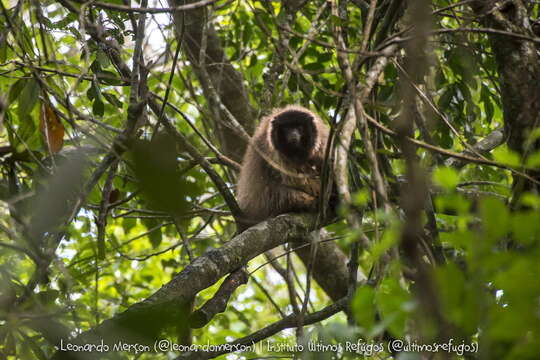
[
  {"x": 143, "y": 321},
  {"x": 226, "y": 81},
  {"x": 286, "y": 323}
]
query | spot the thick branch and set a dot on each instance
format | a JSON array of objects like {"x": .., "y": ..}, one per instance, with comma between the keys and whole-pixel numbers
[
  {"x": 227, "y": 82},
  {"x": 142, "y": 322},
  {"x": 483, "y": 147},
  {"x": 330, "y": 267},
  {"x": 518, "y": 64}
]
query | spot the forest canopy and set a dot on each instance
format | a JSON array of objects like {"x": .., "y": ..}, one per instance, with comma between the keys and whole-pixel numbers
[{"x": 123, "y": 125}]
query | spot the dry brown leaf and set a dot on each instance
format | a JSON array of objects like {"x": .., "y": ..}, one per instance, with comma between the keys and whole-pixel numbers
[
  {"x": 114, "y": 196},
  {"x": 51, "y": 128}
]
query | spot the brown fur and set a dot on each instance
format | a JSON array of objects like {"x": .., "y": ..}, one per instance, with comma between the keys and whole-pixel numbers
[{"x": 270, "y": 183}]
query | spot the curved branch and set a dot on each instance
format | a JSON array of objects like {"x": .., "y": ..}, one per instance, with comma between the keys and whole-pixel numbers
[
  {"x": 288, "y": 322},
  {"x": 218, "y": 303},
  {"x": 143, "y": 321}
]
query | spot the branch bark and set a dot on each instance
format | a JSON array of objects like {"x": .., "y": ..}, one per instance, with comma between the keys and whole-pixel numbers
[
  {"x": 286, "y": 323},
  {"x": 218, "y": 303},
  {"x": 229, "y": 85},
  {"x": 226, "y": 81},
  {"x": 518, "y": 65},
  {"x": 143, "y": 321}
]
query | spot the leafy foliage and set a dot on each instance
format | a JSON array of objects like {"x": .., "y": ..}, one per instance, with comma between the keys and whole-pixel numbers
[{"x": 101, "y": 204}]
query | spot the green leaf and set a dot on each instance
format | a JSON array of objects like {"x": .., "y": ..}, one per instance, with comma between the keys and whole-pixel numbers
[
  {"x": 363, "y": 307},
  {"x": 324, "y": 57},
  {"x": 16, "y": 89},
  {"x": 253, "y": 60},
  {"x": 533, "y": 160},
  {"x": 485, "y": 95},
  {"x": 98, "y": 108},
  {"x": 496, "y": 218},
  {"x": 314, "y": 66},
  {"x": 36, "y": 349},
  {"x": 247, "y": 34},
  {"x": 63, "y": 23},
  {"x": 91, "y": 92},
  {"x": 28, "y": 97},
  {"x": 3, "y": 48},
  {"x": 389, "y": 238},
  {"x": 48, "y": 297},
  {"x": 446, "y": 97},
  {"x": 458, "y": 300},
  {"x": 530, "y": 200},
  {"x": 526, "y": 227},
  {"x": 452, "y": 203},
  {"x": 336, "y": 20},
  {"x": 128, "y": 224},
  {"x": 109, "y": 78},
  {"x": 112, "y": 99},
  {"x": 506, "y": 156},
  {"x": 102, "y": 58},
  {"x": 156, "y": 236},
  {"x": 157, "y": 170},
  {"x": 446, "y": 177},
  {"x": 395, "y": 305},
  {"x": 27, "y": 129},
  {"x": 361, "y": 197}
]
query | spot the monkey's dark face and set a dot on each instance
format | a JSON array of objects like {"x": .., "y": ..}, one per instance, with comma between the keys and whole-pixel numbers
[{"x": 294, "y": 135}]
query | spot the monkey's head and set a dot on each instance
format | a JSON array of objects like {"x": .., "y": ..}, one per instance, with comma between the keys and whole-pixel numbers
[{"x": 294, "y": 134}]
